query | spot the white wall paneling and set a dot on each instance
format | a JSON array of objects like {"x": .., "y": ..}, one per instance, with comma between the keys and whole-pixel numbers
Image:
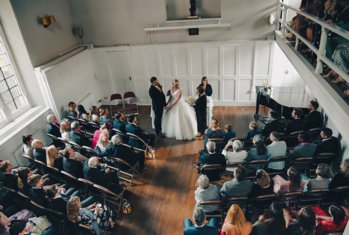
[{"x": 233, "y": 68}]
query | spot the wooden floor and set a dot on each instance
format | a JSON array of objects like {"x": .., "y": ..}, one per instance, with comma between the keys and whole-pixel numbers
[{"x": 164, "y": 194}]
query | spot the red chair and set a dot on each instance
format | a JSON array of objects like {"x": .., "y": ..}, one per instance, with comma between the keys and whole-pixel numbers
[
  {"x": 116, "y": 104},
  {"x": 130, "y": 103}
]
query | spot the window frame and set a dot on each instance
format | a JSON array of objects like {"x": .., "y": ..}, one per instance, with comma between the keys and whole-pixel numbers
[{"x": 6, "y": 115}]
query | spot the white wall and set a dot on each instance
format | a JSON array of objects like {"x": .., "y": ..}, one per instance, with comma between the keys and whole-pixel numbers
[
  {"x": 45, "y": 43},
  {"x": 111, "y": 22},
  {"x": 73, "y": 79},
  {"x": 288, "y": 87},
  {"x": 233, "y": 68}
]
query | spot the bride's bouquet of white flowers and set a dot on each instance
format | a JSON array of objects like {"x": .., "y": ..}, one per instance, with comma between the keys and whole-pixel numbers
[{"x": 190, "y": 100}]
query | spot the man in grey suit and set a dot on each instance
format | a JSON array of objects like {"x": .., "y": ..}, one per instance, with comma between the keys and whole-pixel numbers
[
  {"x": 237, "y": 187},
  {"x": 304, "y": 149}
]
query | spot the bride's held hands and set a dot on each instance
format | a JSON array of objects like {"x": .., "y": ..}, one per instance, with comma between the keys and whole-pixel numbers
[{"x": 167, "y": 107}]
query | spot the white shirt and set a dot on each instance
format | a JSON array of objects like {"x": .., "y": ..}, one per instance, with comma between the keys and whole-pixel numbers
[
  {"x": 276, "y": 149},
  {"x": 234, "y": 157}
]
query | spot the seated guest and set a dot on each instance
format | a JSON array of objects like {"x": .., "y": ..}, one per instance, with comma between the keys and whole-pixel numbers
[
  {"x": 342, "y": 177},
  {"x": 100, "y": 174},
  {"x": 235, "y": 222},
  {"x": 19, "y": 227},
  {"x": 271, "y": 222},
  {"x": 314, "y": 118},
  {"x": 199, "y": 227},
  {"x": 58, "y": 200},
  {"x": 95, "y": 119},
  {"x": 104, "y": 116},
  {"x": 84, "y": 117},
  {"x": 332, "y": 222},
  {"x": 65, "y": 130},
  {"x": 253, "y": 131},
  {"x": 70, "y": 153},
  {"x": 292, "y": 184},
  {"x": 124, "y": 152},
  {"x": 329, "y": 143},
  {"x": 27, "y": 145},
  {"x": 237, "y": 155},
  {"x": 211, "y": 157},
  {"x": 133, "y": 128},
  {"x": 119, "y": 122},
  {"x": 206, "y": 192},
  {"x": 322, "y": 180},
  {"x": 229, "y": 133},
  {"x": 296, "y": 123},
  {"x": 71, "y": 112},
  {"x": 8, "y": 176},
  {"x": 52, "y": 158},
  {"x": 96, "y": 215},
  {"x": 305, "y": 148},
  {"x": 214, "y": 131},
  {"x": 275, "y": 124},
  {"x": 36, "y": 191},
  {"x": 53, "y": 128},
  {"x": 102, "y": 144},
  {"x": 258, "y": 151},
  {"x": 303, "y": 223},
  {"x": 263, "y": 185},
  {"x": 82, "y": 110},
  {"x": 4, "y": 224},
  {"x": 76, "y": 136},
  {"x": 23, "y": 174},
  {"x": 94, "y": 110},
  {"x": 96, "y": 135},
  {"x": 6, "y": 166},
  {"x": 39, "y": 152},
  {"x": 238, "y": 186},
  {"x": 275, "y": 149}
]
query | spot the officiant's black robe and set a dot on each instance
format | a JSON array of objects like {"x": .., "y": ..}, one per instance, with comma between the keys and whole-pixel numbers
[{"x": 200, "y": 110}]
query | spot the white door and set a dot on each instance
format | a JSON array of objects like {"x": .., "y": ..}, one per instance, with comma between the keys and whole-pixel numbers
[{"x": 120, "y": 70}]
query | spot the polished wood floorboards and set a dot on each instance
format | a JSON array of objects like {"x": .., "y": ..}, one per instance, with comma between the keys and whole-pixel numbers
[{"x": 164, "y": 194}]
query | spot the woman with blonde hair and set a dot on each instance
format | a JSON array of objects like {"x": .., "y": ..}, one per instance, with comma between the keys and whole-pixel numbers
[
  {"x": 263, "y": 185},
  {"x": 97, "y": 215},
  {"x": 235, "y": 222},
  {"x": 52, "y": 158}
]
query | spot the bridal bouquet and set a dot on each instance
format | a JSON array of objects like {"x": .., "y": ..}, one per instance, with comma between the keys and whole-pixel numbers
[{"x": 190, "y": 100}]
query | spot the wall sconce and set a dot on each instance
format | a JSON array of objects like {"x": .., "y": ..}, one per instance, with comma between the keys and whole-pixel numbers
[{"x": 47, "y": 20}]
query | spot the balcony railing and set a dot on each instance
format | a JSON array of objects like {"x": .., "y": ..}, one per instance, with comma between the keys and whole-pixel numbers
[{"x": 320, "y": 52}]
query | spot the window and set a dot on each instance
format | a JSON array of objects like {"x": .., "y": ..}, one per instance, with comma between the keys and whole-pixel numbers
[{"x": 12, "y": 99}]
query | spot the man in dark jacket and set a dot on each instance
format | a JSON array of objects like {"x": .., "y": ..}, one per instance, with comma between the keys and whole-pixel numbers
[
  {"x": 158, "y": 102},
  {"x": 125, "y": 152},
  {"x": 133, "y": 128},
  {"x": 100, "y": 174},
  {"x": 314, "y": 118},
  {"x": 211, "y": 157}
]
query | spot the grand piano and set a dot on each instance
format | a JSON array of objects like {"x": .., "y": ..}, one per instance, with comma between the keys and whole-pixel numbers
[{"x": 264, "y": 98}]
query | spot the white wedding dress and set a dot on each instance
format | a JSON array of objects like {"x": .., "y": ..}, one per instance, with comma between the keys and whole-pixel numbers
[{"x": 180, "y": 121}]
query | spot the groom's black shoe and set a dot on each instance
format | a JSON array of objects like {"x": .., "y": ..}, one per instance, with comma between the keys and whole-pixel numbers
[{"x": 160, "y": 135}]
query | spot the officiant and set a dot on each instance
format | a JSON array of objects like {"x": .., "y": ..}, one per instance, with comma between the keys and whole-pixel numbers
[{"x": 208, "y": 92}]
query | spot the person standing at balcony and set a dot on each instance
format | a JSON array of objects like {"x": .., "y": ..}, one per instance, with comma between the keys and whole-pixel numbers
[
  {"x": 208, "y": 92},
  {"x": 158, "y": 103}
]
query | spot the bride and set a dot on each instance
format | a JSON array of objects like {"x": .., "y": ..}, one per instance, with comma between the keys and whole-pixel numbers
[{"x": 179, "y": 120}]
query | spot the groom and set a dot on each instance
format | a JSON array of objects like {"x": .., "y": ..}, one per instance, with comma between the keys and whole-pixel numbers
[{"x": 158, "y": 102}]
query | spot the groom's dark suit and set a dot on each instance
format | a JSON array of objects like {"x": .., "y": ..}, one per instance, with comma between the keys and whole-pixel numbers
[{"x": 158, "y": 101}]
